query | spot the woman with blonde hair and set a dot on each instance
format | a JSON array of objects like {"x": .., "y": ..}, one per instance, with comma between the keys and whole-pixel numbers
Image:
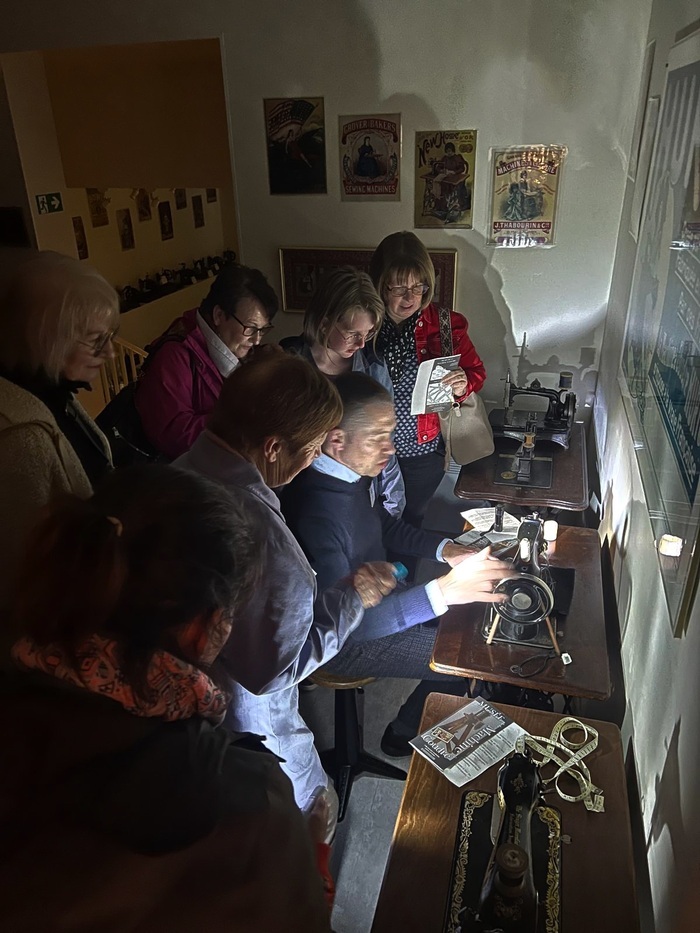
[
  {"x": 341, "y": 323},
  {"x": 58, "y": 317},
  {"x": 404, "y": 276}
]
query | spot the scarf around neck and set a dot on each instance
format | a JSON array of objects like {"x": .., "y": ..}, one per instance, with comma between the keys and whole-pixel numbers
[{"x": 177, "y": 690}]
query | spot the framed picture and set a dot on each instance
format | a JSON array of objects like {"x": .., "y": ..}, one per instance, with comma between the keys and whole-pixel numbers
[
  {"x": 444, "y": 178},
  {"x": 295, "y": 130},
  {"x": 211, "y": 195},
  {"x": 197, "y": 210},
  {"x": 81, "y": 243},
  {"x": 165, "y": 216},
  {"x": 125, "y": 228},
  {"x": 659, "y": 367},
  {"x": 97, "y": 204},
  {"x": 180, "y": 195},
  {"x": 302, "y": 269},
  {"x": 525, "y": 183},
  {"x": 143, "y": 205},
  {"x": 370, "y": 157}
]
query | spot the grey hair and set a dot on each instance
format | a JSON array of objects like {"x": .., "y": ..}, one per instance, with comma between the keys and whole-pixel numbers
[{"x": 50, "y": 303}]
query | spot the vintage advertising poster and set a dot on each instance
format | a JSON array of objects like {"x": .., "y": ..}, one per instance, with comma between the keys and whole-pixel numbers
[
  {"x": 125, "y": 228},
  {"x": 97, "y": 204},
  {"x": 81, "y": 243},
  {"x": 445, "y": 162},
  {"x": 296, "y": 145},
  {"x": 660, "y": 377},
  {"x": 370, "y": 156},
  {"x": 525, "y": 185}
]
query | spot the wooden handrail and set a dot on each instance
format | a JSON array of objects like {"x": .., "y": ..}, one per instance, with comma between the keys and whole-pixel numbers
[{"x": 122, "y": 368}]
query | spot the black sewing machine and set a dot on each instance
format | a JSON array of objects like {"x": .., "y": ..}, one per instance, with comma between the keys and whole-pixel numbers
[{"x": 552, "y": 411}]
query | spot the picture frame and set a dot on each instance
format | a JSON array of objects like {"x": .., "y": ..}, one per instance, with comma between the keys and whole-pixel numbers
[
  {"x": 295, "y": 133},
  {"x": 301, "y": 269}
]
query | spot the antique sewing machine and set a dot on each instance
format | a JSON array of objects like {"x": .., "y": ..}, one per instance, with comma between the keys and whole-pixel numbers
[
  {"x": 551, "y": 410},
  {"x": 525, "y": 615}
]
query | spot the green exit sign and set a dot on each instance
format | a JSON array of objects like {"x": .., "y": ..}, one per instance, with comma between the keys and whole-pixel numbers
[{"x": 49, "y": 203}]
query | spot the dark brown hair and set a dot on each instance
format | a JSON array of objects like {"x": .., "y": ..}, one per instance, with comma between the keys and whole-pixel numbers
[
  {"x": 154, "y": 548},
  {"x": 275, "y": 394},
  {"x": 234, "y": 284}
]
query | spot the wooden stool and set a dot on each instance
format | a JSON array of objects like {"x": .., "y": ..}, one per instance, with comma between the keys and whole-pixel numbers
[{"x": 348, "y": 758}]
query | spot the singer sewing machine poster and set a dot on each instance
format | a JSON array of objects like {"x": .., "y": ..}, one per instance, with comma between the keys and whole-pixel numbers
[
  {"x": 444, "y": 178},
  {"x": 660, "y": 365}
]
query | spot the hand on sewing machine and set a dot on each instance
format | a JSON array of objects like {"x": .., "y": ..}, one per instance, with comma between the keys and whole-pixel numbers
[
  {"x": 454, "y": 553},
  {"x": 473, "y": 579}
]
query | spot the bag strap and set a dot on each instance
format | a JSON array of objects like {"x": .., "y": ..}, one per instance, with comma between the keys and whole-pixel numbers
[{"x": 446, "y": 344}]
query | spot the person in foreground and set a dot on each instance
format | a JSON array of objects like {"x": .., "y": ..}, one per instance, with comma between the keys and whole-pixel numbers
[
  {"x": 269, "y": 423},
  {"x": 186, "y": 366},
  {"x": 58, "y": 317},
  {"x": 333, "y": 512},
  {"x": 128, "y": 806},
  {"x": 341, "y": 323}
]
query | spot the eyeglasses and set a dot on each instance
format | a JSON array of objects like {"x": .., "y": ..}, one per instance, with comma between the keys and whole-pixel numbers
[
  {"x": 99, "y": 344},
  {"x": 355, "y": 336},
  {"x": 399, "y": 291},
  {"x": 249, "y": 330}
]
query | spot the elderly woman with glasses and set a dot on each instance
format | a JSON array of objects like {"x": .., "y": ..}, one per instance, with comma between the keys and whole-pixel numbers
[
  {"x": 404, "y": 276},
  {"x": 341, "y": 323},
  {"x": 57, "y": 320},
  {"x": 187, "y": 365}
]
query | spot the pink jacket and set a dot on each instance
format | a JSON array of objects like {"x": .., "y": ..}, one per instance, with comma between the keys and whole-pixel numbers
[
  {"x": 178, "y": 389},
  {"x": 428, "y": 347}
]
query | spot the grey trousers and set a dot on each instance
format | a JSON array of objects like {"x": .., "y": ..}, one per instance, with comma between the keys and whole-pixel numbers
[{"x": 406, "y": 654}]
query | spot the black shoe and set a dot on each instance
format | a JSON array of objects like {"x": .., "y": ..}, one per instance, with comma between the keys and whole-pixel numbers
[{"x": 395, "y": 746}]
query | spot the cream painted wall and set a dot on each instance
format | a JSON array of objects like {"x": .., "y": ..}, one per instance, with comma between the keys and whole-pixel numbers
[{"x": 661, "y": 673}]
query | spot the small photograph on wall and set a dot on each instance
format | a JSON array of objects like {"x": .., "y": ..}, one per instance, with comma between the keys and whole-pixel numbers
[
  {"x": 444, "y": 182},
  {"x": 296, "y": 145},
  {"x": 126, "y": 229},
  {"x": 198, "y": 210},
  {"x": 143, "y": 205},
  {"x": 97, "y": 203},
  {"x": 525, "y": 182},
  {"x": 211, "y": 195},
  {"x": 166, "y": 220},
  {"x": 81, "y": 243},
  {"x": 370, "y": 157},
  {"x": 180, "y": 199}
]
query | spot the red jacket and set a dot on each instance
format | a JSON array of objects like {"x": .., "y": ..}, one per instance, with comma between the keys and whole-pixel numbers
[
  {"x": 428, "y": 347},
  {"x": 178, "y": 389}
]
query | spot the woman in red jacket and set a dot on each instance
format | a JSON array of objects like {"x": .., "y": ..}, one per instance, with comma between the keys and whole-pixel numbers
[{"x": 404, "y": 276}]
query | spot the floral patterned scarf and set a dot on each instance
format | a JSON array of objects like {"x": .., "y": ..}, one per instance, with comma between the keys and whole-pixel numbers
[
  {"x": 178, "y": 690},
  {"x": 397, "y": 344}
]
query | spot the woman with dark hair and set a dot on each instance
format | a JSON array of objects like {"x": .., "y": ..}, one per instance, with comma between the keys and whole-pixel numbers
[
  {"x": 341, "y": 322},
  {"x": 404, "y": 276},
  {"x": 187, "y": 365},
  {"x": 127, "y": 806},
  {"x": 271, "y": 419},
  {"x": 58, "y": 317}
]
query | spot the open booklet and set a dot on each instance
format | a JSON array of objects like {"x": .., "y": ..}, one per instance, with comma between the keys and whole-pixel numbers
[
  {"x": 430, "y": 394},
  {"x": 469, "y": 741}
]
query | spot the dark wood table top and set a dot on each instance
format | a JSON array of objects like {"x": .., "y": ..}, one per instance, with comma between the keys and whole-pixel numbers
[
  {"x": 461, "y": 649},
  {"x": 569, "y": 489},
  {"x": 598, "y": 885}
]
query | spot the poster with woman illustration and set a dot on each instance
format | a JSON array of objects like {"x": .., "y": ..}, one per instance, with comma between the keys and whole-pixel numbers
[
  {"x": 370, "y": 157},
  {"x": 296, "y": 145},
  {"x": 525, "y": 183},
  {"x": 445, "y": 162}
]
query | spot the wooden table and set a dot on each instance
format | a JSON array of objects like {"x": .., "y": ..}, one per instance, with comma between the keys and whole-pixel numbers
[
  {"x": 569, "y": 489},
  {"x": 598, "y": 887},
  {"x": 460, "y": 647}
]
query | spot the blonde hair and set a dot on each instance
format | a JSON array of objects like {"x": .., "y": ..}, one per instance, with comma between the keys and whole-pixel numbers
[
  {"x": 399, "y": 255},
  {"x": 341, "y": 292},
  {"x": 50, "y": 303}
]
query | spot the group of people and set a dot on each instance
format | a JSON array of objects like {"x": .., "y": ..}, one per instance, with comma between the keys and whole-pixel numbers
[{"x": 157, "y": 620}]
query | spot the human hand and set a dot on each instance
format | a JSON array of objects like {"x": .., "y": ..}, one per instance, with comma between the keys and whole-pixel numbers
[
  {"x": 457, "y": 381},
  {"x": 454, "y": 553},
  {"x": 472, "y": 580},
  {"x": 373, "y": 582}
]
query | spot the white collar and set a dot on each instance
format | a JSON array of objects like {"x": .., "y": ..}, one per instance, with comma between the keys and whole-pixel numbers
[
  {"x": 331, "y": 467},
  {"x": 220, "y": 355}
]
